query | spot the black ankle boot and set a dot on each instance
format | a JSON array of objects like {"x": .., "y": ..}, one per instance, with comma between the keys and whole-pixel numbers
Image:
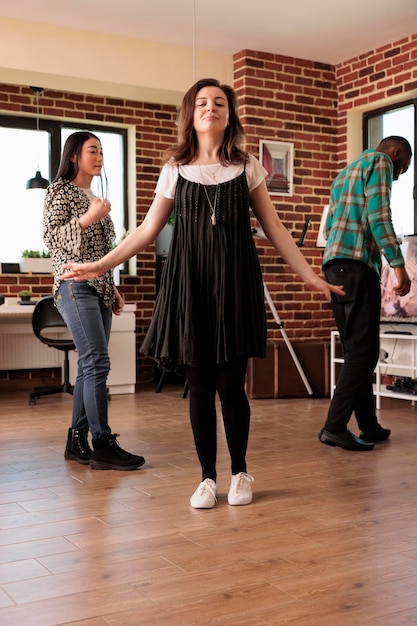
[
  {"x": 107, "y": 454},
  {"x": 77, "y": 446}
]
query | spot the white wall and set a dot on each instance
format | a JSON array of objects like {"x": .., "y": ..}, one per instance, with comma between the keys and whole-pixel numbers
[{"x": 89, "y": 62}]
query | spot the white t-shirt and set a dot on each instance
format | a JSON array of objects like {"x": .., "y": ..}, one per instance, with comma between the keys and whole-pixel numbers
[
  {"x": 209, "y": 175},
  {"x": 89, "y": 193}
]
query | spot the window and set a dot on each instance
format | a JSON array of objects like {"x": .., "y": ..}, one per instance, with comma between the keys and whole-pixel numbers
[
  {"x": 24, "y": 150},
  {"x": 398, "y": 120}
]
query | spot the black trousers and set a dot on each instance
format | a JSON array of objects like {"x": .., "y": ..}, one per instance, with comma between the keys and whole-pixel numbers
[
  {"x": 357, "y": 316},
  {"x": 228, "y": 380}
]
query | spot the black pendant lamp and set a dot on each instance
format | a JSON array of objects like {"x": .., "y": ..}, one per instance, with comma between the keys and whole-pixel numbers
[{"x": 37, "y": 182}]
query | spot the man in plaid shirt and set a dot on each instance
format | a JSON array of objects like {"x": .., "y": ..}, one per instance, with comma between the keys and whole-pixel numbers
[{"x": 358, "y": 229}]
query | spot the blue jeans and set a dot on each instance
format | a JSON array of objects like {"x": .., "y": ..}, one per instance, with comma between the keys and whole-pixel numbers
[
  {"x": 89, "y": 322},
  {"x": 357, "y": 315}
]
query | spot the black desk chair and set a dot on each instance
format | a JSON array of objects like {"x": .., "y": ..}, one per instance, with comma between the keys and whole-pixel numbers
[
  {"x": 161, "y": 384},
  {"x": 46, "y": 320}
]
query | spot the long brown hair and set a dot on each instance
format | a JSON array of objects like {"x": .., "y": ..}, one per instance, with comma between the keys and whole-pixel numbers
[
  {"x": 186, "y": 149},
  {"x": 68, "y": 169}
]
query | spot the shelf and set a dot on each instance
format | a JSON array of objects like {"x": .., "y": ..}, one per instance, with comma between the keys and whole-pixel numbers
[
  {"x": 396, "y": 342},
  {"x": 384, "y": 365}
]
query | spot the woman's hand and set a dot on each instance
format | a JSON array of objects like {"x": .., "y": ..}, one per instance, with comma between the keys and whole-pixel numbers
[
  {"x": 318, "y": 284},
  {"x": 98, "y": 209},
  {"x": 119, "y": 304},
  {"x": 81, "y": 271}
]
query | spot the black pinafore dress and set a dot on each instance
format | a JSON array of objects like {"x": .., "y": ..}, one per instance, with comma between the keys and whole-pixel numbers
[{"x": 210, "y": 306}]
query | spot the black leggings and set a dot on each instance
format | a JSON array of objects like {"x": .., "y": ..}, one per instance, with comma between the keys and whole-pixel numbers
[{"x": 229, "y": 380}]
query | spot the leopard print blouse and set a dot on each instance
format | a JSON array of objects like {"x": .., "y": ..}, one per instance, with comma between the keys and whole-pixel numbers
[{"x": 67, "y": 242}]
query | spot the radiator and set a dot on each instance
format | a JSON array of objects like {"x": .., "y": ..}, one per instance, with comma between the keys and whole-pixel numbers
[{"x": 20, "y": 349}]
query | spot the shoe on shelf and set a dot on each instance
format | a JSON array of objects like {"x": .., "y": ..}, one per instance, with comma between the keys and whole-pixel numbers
[
  {"x": 240, "y": 491},
  {"x": 346, "y": 440},
  {"x": 77, "y": 448},
  {"x": 375, "y": 434},
  {"x": 108, "y": 455},
  {"x": 205, "y": 496}
]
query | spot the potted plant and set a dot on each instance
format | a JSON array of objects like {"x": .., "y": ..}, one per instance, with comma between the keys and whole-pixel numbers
[
  {"x": 36, "y": 262},
  {"x": 25, "y": 295}
]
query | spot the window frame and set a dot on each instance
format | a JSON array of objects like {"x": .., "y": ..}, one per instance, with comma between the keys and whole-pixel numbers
[
  {"x": 54, "y": 128},
  {"x": 368, "y": 115}
]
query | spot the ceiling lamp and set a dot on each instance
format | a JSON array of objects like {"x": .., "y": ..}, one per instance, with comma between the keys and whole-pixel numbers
[{"x": 38, "y": 182}]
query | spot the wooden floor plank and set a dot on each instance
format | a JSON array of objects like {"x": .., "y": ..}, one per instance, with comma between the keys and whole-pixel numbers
[{"x": 329, "y": 539}]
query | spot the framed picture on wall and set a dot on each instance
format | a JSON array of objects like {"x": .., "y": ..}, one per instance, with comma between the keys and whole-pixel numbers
[{"x": 277, "y": 157}]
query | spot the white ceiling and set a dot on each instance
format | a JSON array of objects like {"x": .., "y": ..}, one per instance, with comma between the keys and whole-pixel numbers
[{"x": 329, "y": 31}]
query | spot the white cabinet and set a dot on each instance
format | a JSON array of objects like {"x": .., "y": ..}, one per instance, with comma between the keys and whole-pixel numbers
[
  {"x": 398, "y": 357},
  {"x": 122, "y": 351},
  {"x": 20, "y": 349}
]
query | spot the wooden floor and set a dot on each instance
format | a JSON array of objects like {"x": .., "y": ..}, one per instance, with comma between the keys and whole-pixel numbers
[{"x": 330, "y": 538}]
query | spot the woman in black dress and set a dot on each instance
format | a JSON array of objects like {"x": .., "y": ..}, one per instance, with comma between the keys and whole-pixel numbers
[{"x": 209, "y": 315}]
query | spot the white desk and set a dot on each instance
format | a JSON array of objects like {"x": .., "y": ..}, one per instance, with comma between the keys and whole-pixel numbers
[{"x": 20, "y": 349}]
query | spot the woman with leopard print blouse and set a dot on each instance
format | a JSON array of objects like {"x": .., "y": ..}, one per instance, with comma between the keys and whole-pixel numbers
[{"x": 77, "y": 227}]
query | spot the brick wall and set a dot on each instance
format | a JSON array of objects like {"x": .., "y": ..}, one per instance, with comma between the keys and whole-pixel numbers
[
  {"x": 307, "y": 103},
  {"x": 293, "y": 100},
  {"x": 385, "y": 73},
  {"x": 281, "y": 99}
]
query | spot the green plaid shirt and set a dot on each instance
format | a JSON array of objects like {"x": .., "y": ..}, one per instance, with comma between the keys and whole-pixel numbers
[{"x": 359, "y": 224}]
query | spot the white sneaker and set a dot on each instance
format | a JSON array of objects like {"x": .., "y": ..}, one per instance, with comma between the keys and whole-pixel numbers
[
  {"x": 204, "y": 497},
  {"x": 240, "y": 491}
]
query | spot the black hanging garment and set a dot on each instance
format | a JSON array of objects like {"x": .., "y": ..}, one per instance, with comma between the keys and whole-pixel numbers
[{"x": 210, "y": 307}]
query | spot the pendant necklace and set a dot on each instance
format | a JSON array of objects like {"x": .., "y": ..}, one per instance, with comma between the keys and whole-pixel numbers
[
  {"x": 212, "y": 205},
  {"x": 209, "y": 171}
]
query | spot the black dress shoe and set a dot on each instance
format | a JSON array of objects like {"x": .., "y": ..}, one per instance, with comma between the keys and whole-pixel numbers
[
  {"x": 346, "y": 440},
  {"x": 375, "y": 434}
]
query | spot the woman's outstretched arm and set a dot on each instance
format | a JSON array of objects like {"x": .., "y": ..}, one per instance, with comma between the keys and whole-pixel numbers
[
  {"x": 155, "y": 219},
  {"x": 284, "y": 244}
]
